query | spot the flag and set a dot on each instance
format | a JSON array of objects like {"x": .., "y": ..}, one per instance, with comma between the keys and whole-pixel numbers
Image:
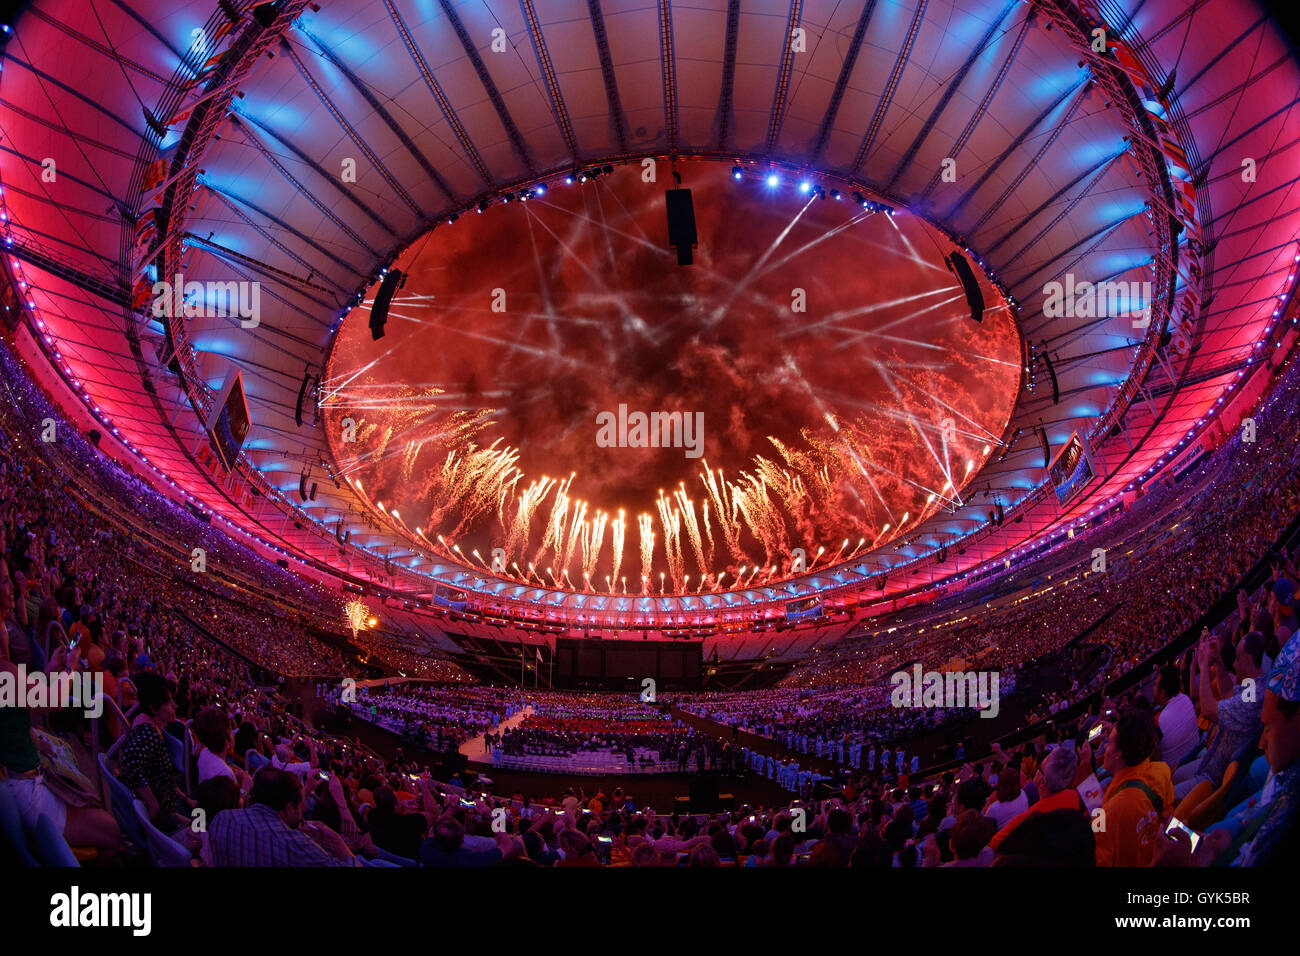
[
  {"x": 157, "y": 170},
  {"x": 146, "y": 228},
  {"x": 140, "y": 294},
  {"x": 539, "y": 653},
  {"x": 1129, "y": 63}
]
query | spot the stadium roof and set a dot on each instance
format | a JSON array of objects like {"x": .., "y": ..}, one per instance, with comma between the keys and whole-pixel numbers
[{"x": 212, "y": 140}]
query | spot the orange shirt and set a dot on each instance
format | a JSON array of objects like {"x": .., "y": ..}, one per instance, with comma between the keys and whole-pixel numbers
[
  {"x": 1127, "y": 833},
  {"x": 1067, "y": 799}
]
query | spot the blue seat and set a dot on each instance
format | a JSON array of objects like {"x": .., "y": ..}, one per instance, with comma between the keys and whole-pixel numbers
[
  {"x": 179, "y": 750},
  {"x": 176, "y": 750},
  {"x": 165, "y": 851},
  {"x": 12, "y": 824},
  {"x": 123, "y": 804},
  {"x": 51, "y": 846}
]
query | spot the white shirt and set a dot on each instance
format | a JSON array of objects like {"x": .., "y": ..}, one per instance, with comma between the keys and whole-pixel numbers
[
  {"x": 301, "y": 768},
  {"x": 1004, "y": 813},
  {"x": 1179, "y": 733},
  {"x": 210, "y": 765}
]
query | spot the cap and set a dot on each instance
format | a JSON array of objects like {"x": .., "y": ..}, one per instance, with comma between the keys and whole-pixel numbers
[
  {"x": 1284, "y": 678},
  {"x": 1284, "y": 591}
]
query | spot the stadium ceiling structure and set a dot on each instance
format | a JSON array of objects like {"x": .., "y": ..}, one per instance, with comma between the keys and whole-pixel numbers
[{"x": 304, "y": 147}]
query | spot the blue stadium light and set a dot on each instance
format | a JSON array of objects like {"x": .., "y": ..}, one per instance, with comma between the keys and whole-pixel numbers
[
  {"x": 805, "y": 186},
  {"x": 772, "y": 179}
]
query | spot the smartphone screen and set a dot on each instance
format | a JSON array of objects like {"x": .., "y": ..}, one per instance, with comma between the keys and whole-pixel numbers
[{"x": 1177, "y": 824}]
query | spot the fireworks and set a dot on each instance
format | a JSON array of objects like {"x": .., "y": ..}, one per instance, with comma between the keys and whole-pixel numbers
[
  {"x": 756, "y": 518},
  {"x": 855, "y": 422},
  {"x": 356, "y": 615}
]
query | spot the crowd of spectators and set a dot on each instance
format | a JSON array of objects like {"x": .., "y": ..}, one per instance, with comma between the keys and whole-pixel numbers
[{"x": 1198, "y": 765}]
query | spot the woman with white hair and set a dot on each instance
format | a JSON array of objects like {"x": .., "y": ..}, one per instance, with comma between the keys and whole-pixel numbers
[{"x": 1055, "y": 782}]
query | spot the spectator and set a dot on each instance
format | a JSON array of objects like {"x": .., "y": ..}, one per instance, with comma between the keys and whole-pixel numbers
[
  {"x": 272, "y": 830},
  {"x": 970, "y": 840},
  {"x": 1010, "y": 799},
  {"x": 147, "y": 768},
  {"x": 446, "y": 847},
  {"x": 398, "y": 833},
  {"x": 1236, "y": 713},
  {"x": 1140, "y": 796},
  {"x": 1179, "y": 735},
  {"x": 1055, "y": 781},
  {"x": 211, "y": 728}
]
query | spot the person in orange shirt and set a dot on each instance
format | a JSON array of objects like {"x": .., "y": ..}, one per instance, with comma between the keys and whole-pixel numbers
[
  {"x": 94, "y": 656},
  {"x": 79, "y": 633},
  {"x": 114, "y": 672},
  {"x": 1140, "y": 797}
]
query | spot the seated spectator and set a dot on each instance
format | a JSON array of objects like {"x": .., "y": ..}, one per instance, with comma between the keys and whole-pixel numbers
[
  {"x": 1140, "y": 796},
  {"x": 646, "y": 855},
  {"x": 1270, "y": 835},
  {"x": 299, "y": 760},
  {"x": 1009, "y": 801},
  {"x": 214, "y": 795},
  {"x": 147, "y": 768},
  {"x": 578, "y": 850},
  {"x": 970, "y": 840},
  {"x": 272, "y": 830},
  {"x": 704, "y": 855},
  {"x": 1055, "y": 781},
  {"x": 1265, "y": 830},
  {"x": 1179, "y": 735},
  {"x": 1053, "y": 838},
  {"x": 446, "y": 847},
  {"x": 22, "y": 775},
  {"x": 398, "y": 833},
  {"x": 1235, "y": 713},
  {"x": 211, "y": 728}
]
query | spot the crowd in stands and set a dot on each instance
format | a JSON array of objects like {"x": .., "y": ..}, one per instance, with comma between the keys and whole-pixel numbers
[
  {"x": 1168, "y": 559},
  {"x": 389, "y": 649},
  {"x": 1198, "y": 765}
]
